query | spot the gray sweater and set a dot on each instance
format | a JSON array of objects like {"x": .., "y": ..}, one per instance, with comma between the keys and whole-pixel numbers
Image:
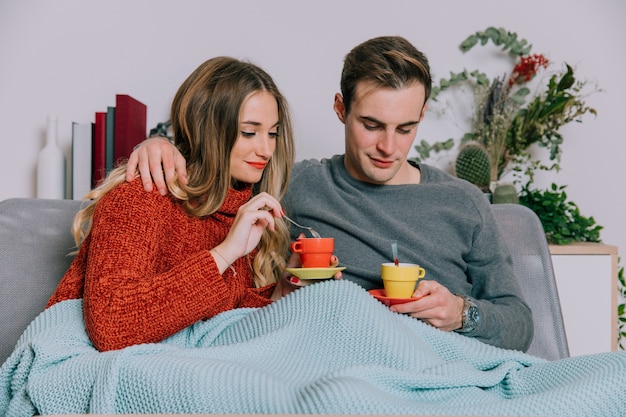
[{"x": 443, "y": 224}]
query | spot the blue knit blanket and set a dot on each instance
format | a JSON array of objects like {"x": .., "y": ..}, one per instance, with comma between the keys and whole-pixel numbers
[{"x": 329, "y": 348}]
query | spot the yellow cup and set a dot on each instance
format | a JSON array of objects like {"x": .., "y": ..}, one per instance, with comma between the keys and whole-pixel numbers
[{"x": 400, "y": 280}]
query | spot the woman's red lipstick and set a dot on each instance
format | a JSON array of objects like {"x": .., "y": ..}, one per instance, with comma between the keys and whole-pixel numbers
[{"x": 258, "y": 165}]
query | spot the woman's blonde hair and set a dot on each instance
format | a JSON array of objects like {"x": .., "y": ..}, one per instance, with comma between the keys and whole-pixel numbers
[{"x": 205, "y": 122}]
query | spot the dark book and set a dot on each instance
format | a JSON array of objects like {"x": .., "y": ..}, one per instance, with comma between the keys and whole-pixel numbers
[
  {"x": 130, "y": 126},
  {"x": 99, "y": 149},
  {"x": 110, "y": 138}
]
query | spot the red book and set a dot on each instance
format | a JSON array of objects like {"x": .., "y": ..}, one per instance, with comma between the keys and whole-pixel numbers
[
  {"x": 130, "y": 126},
  {"x": 99, "y": 149}
]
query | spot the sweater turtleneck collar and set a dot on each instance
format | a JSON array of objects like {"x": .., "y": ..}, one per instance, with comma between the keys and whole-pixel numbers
[{"x": 235, "y": 198}]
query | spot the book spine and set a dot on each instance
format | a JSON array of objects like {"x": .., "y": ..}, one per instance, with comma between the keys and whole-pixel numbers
[
  {"x": 110, "y": 138},
  {"x": 99, "y": 149},
  {"x": 130, "y": 126}
]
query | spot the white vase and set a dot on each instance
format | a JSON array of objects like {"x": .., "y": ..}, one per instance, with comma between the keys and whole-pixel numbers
[{"x": 51, "y": 165}]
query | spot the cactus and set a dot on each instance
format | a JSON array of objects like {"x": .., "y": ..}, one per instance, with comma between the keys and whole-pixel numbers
[
  {"x": 505, "y": 193},
  {"x": 472, "y": 164}
]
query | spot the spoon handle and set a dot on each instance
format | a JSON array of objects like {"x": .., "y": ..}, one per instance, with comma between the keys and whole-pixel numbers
[
  {"x": 310, "y": 229},
  {"x": 394, "y": 249}
]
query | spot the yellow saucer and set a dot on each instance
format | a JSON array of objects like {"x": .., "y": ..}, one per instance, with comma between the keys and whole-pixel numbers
[{"x": 314, "y": 273}]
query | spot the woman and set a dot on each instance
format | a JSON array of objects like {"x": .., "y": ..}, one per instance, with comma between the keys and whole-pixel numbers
[{"x": 150, "y": 265}]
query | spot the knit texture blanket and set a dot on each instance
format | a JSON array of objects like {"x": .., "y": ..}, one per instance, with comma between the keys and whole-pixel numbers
[{"x": 329, "y": 348}]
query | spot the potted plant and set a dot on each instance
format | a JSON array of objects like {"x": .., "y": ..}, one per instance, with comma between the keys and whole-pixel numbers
[
  {"x": 509, "y": 118},
  {"x": 513, "y": 115}
]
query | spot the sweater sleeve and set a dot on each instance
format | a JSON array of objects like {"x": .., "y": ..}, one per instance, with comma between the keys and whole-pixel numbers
[
  {"x": 130, "y": 297},
  {"x": 506, "y": 320}
]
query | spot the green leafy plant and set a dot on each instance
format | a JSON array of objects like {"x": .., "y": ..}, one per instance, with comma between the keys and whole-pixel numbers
[{"x": 561, "y": 219}]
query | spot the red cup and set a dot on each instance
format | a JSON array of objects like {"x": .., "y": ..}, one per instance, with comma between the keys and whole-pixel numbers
[{"x": 314, "y": 252}]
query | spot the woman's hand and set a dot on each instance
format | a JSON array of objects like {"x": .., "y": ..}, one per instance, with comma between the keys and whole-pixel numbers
[
  {"x": 155, "y": 157},
  {"x": 250, "y": 222}
]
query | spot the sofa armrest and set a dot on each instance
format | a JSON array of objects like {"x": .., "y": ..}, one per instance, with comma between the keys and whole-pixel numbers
[{"x": 35, "y": 240}]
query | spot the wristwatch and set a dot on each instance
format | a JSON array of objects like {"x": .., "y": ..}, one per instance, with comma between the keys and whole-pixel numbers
[{"x": 471, "y": 315}]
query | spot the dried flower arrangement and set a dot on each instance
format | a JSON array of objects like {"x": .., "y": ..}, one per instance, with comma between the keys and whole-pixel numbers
[{"x": 508, "y": 119}]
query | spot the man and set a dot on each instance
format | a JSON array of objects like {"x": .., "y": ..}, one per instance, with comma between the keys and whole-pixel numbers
[{"x": 372, "y": 195}]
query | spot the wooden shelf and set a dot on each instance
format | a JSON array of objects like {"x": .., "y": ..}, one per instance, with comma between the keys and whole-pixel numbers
[
  {"x": 583, "y": 248},
  {"x": 586, "y": 275}
]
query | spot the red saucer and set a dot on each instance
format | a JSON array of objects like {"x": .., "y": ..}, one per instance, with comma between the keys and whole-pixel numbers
[{"x": 380, "y": 296}]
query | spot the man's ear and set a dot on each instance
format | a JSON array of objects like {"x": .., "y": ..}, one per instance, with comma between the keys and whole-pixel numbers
[{"x": 339, "y": 108}]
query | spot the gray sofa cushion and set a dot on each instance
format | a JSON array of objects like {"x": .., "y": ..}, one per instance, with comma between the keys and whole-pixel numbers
[{"x": 35, "y": 240}]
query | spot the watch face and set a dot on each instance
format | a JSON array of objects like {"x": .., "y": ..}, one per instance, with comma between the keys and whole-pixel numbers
[{"x": 473, "y": 316}]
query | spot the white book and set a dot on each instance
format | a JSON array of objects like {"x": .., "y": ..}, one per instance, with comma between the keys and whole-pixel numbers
[{"x": 81, "y": 159}]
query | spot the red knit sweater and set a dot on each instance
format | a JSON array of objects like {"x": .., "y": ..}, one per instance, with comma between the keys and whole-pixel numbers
[{"x": 145, "y": 271}]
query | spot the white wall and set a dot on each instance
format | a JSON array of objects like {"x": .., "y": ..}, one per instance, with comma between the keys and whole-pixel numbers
[{"x": 70, "y": 58}]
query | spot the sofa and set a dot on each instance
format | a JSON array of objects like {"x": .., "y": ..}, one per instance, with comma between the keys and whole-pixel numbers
[
  {"x": 35, "y": 242},
  {"x": 35, "y": 247}
]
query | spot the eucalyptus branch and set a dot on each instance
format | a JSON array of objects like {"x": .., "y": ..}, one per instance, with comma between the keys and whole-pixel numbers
[
  {"x": 499, "y": 37},
  {"x": 424, "y": 149},
  {"x": 479, "y": 78}
]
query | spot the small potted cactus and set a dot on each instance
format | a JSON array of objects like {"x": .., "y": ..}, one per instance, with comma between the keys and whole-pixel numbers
[{"x": 472, "y": 164}]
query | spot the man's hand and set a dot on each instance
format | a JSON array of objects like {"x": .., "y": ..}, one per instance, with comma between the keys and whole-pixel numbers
[
  {"x": 155, "y": 157},
  {"x": 435, "y": 305}
]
